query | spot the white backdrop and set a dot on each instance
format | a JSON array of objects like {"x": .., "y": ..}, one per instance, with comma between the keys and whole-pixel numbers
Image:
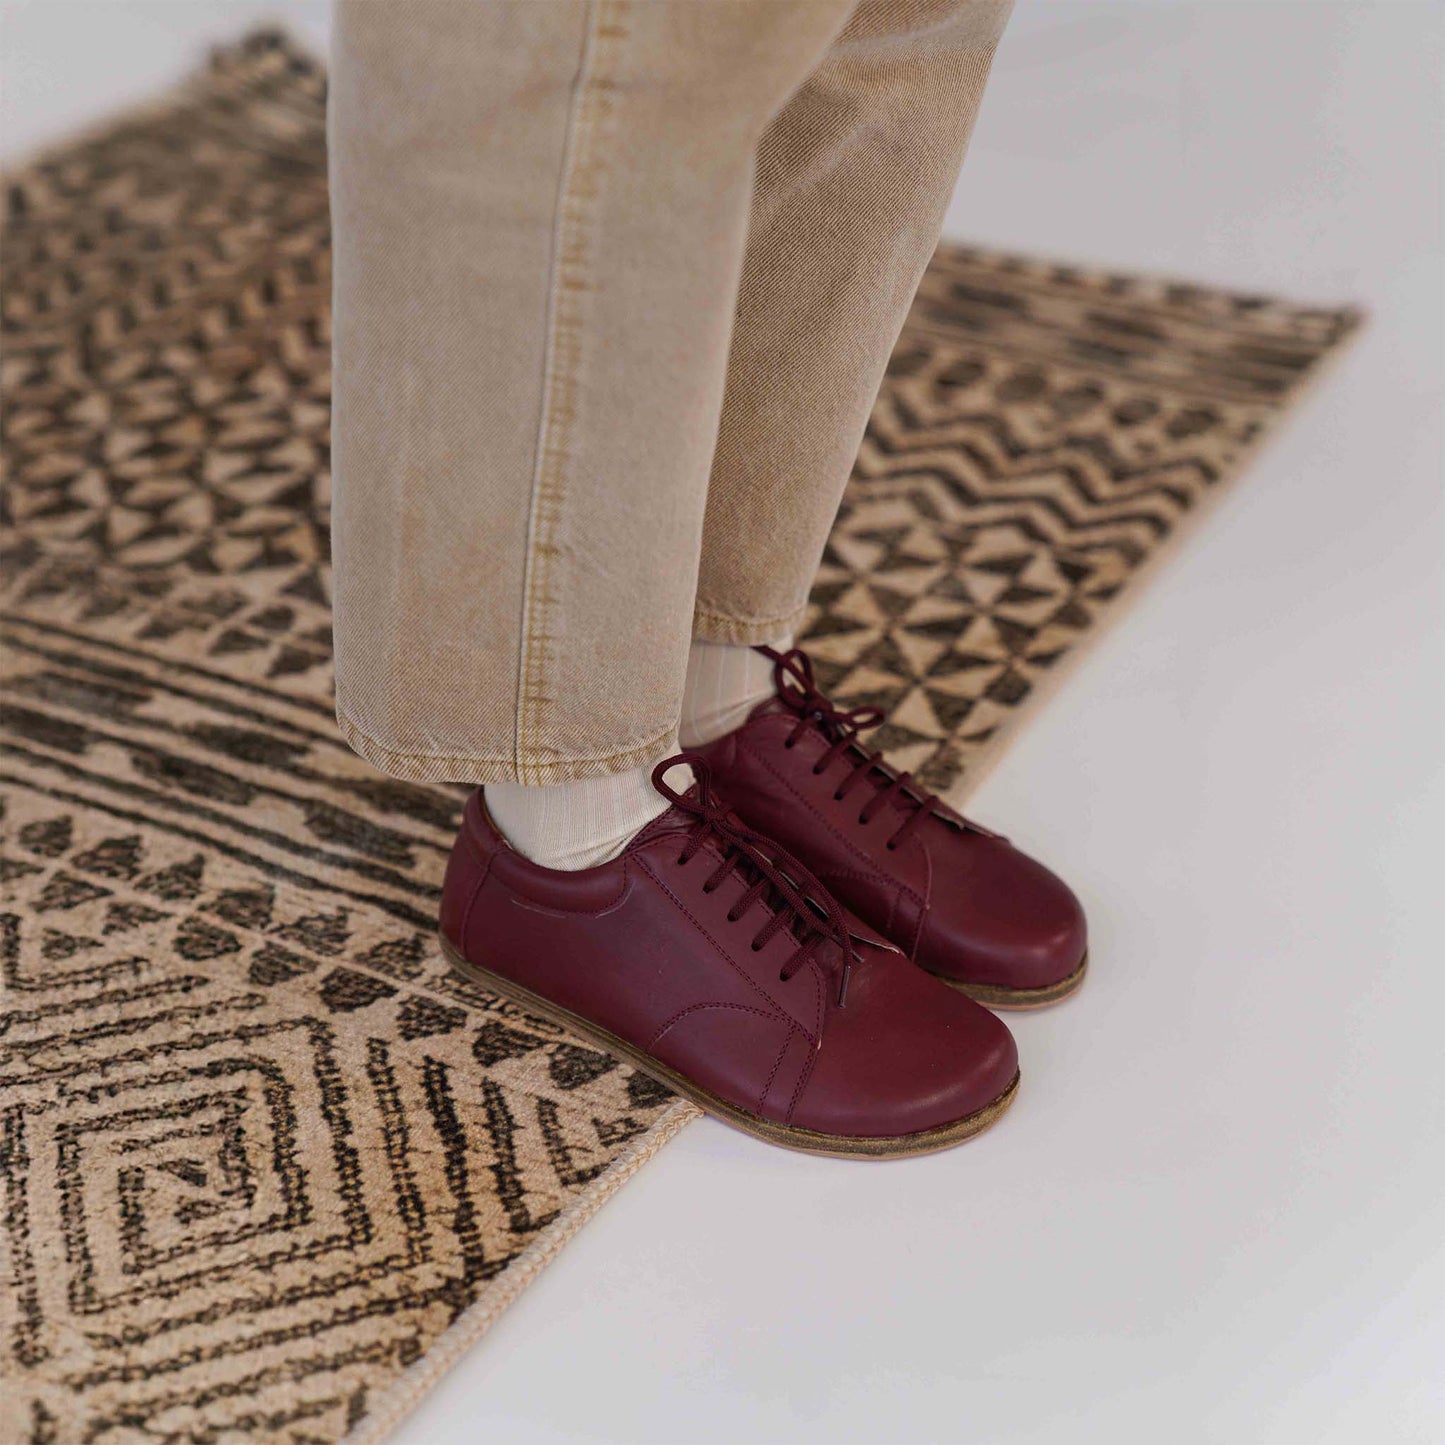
[{"x": 1214, "y": 1214}]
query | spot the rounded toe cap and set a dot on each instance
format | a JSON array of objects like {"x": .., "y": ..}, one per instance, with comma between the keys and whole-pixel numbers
[
  {"x": 921, "y": 1058},
  {"x": 1004, "y": 920}
]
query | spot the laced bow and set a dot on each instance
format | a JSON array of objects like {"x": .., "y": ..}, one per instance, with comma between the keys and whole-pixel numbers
[
  {"x": 793, "y": 678},
  {"x": 775, "y": 878}
]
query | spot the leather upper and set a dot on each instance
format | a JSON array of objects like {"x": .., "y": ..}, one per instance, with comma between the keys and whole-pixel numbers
[
  {"x": 960, "y": 901},
  {"x": 640, "y": 947}
]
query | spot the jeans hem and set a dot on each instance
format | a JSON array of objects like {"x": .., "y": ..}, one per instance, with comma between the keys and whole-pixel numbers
[
  {"x": 478, "y": 769},
  {"x": 711, "y": 626}
]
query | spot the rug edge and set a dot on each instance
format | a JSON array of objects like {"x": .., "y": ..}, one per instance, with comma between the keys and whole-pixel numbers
[
  {"x": 1354, "y": 319},
  {"x": 400, "y": 1398},
  {"x": 1352, "y": 314}
]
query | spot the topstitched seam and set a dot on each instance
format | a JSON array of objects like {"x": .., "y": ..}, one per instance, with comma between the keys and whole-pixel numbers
[
  {"x": 533, "y": 905},
  {"x": 798, "y": 1088},
  {"x": 710, "y": 614},
  {"x": 697, "y": 923},
  {"x": 480, "y": 856},
  {"x": 472, "y": 903},
  {"x": 777, "y": 1064},
  {"x": 546, "y": 498},
  {"x": 842, "y": 837},
  {"x": 681, "y": 1014},
  {"x": 352, "y": 731}
]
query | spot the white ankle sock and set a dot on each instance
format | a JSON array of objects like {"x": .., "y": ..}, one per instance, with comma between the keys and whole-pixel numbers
[
  {"x": 724, "y": 684},
  {"x": 582, "y": 823}
]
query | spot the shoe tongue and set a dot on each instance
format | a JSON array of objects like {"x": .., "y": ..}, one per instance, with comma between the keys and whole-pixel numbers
[
  {"x": 670, "y": 820},
  {"x": 877, "y": 778},
  {"x": 901, "y": 803},
  {"x": 675, "y": 821},
  {"x": 770, "y": 707}
]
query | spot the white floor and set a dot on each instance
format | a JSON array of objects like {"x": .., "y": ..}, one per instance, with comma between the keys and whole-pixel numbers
[{"x": 1215, "y": 1213}]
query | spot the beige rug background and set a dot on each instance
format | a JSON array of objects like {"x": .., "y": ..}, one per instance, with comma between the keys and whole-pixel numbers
[{"x": 267, "y": 1168}]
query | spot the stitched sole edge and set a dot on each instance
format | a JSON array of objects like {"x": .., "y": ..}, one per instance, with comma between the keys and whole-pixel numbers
[{"x": 808, "y": 1141}]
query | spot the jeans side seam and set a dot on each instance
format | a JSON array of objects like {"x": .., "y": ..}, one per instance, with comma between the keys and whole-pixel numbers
[{"x": 566, "y": 277}]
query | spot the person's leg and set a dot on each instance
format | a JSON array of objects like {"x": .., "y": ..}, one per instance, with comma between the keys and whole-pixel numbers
[
  {"x": 853, "y": 179},
  {"x": 540, "y": 218},
  {"x": 540, "y": 212}
]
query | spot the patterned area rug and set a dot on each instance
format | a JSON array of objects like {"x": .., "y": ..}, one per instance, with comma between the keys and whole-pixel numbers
[{"x": 268, "y": 1168}]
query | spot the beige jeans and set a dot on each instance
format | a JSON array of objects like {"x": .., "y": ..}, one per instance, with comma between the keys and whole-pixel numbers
[{"x": 616, "y": 283}]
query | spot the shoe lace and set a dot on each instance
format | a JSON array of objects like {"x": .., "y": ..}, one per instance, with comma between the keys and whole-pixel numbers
[
  {"x": 796, "y": 900},
  {"x": 796, "y": 689}
]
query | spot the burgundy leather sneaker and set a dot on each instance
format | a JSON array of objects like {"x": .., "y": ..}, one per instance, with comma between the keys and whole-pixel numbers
[
  {"x": 696, "y": 956},
  {"x": 960, "y": 901}
]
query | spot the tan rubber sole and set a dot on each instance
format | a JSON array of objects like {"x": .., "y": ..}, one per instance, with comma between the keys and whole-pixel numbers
[
  {"x": 995, "y": 996},
  {"x": 808, "y": 1141}
]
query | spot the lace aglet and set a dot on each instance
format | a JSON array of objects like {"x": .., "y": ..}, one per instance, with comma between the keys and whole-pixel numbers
[{"x": 843, "y": 985}]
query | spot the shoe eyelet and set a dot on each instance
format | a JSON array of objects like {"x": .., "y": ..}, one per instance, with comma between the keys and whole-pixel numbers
[
  {"x": 788, "y": 746},
  {"x": 816, "y": 770},
  {"x": 891, "y": 846},
  {"x": 755, "y": 946},
  {"x": 837, "y": 797}
]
